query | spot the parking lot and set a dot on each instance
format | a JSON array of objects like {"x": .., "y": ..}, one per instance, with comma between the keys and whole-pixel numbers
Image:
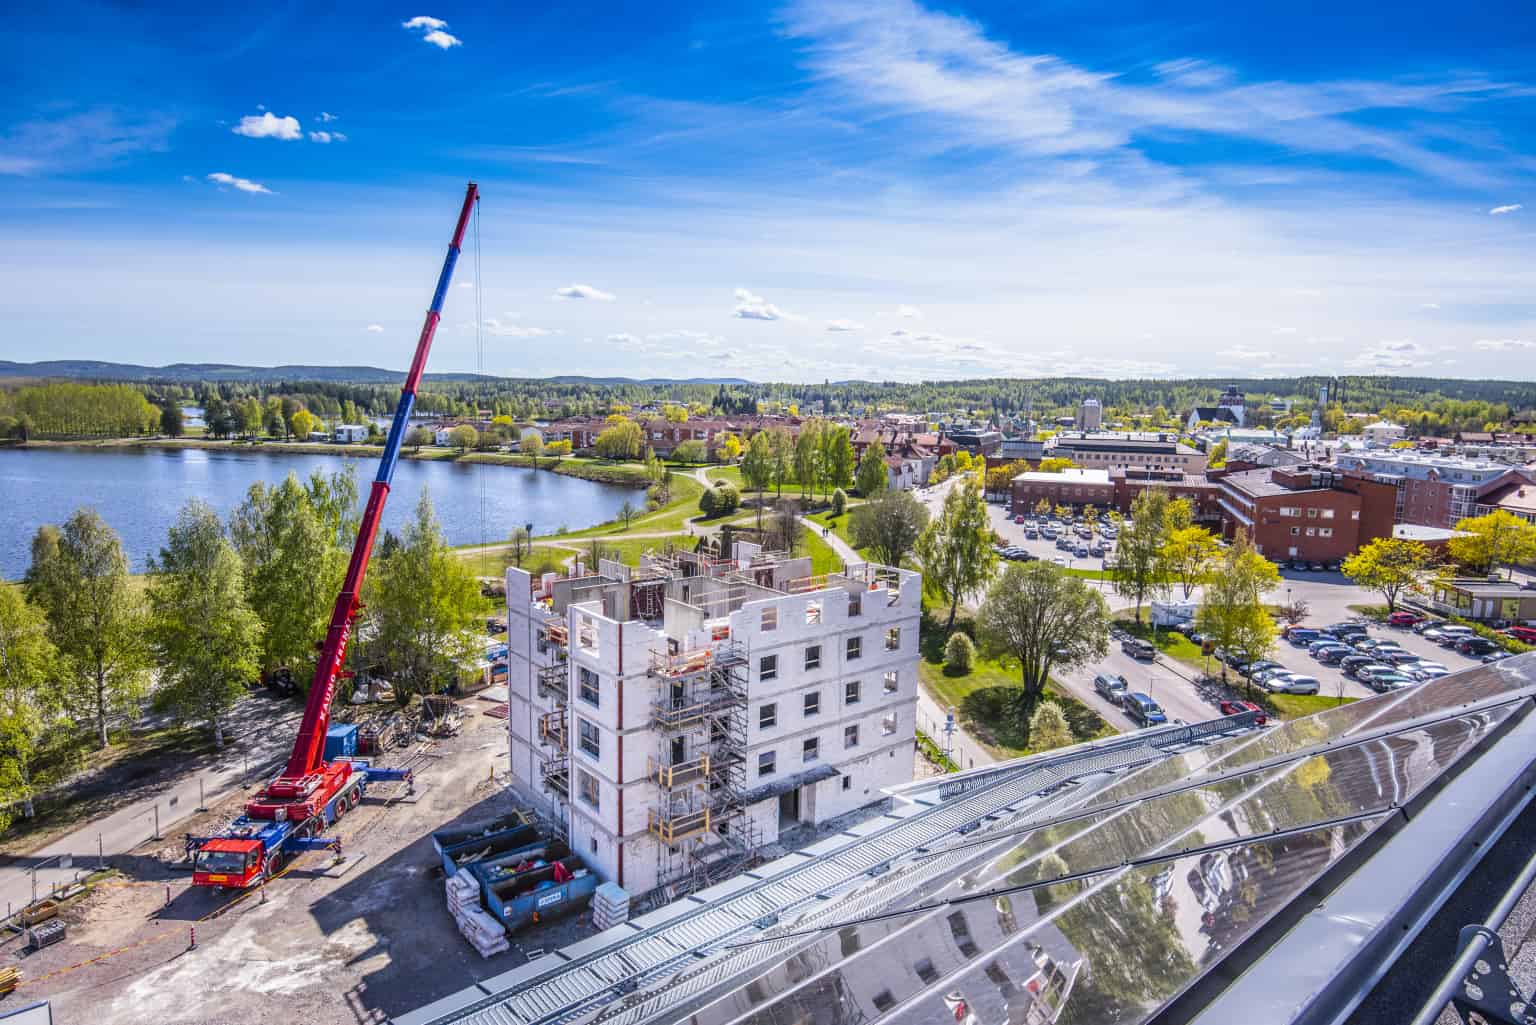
[{"x": 1040, "y": 547}]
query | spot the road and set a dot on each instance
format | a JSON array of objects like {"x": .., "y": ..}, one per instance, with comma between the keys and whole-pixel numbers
[{"x": 132, "y": 824}]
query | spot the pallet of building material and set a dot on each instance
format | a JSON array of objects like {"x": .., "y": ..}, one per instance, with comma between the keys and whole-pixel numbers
[
  {"x": 462, "y": 891},
  {"x": 10, "y": 978},
  {"x": 610, "y": 906},
  {"x": 482, "y": 931},
  {"x": 46, "y": 934},
  {"x": 498, "y": 711}
]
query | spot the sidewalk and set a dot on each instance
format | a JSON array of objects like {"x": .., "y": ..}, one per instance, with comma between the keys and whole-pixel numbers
[
  {"x": 129, "y": 826},
  {"x": 966, "y": 751}
]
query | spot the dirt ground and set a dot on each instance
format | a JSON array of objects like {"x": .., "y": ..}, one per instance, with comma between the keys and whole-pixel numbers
[{"x": 373, "y": 942}]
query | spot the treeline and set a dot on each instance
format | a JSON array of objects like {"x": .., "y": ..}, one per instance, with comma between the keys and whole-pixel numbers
[
  {"x": 225, "y": 605},
  {"x": 1425, "y": 405},
  {"x": 67, "y": 409}
]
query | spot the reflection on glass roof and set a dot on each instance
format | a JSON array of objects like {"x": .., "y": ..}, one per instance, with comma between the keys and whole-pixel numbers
[{"x": 1111, "y": 947}]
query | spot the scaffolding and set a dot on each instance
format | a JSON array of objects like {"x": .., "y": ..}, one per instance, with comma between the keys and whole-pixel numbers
[{"x": 700, "y": 717}]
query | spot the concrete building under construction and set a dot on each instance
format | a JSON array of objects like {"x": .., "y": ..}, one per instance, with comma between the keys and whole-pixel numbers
[{"x": 677, "y": 715}]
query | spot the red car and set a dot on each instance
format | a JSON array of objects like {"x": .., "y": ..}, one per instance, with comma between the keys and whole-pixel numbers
[
  {"x": 1523, "y": 634},
  {"x": 1404, "y": 619},
  {"x": 1239, "y": 707}
]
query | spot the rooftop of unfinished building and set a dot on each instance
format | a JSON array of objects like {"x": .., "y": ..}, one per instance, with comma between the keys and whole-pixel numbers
[{"x": 708, "y": 586}]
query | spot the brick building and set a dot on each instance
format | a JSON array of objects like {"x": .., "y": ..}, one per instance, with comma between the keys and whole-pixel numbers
[
  {"x": 1306, "y": 512},
  {"x": 1203, "y": 495},
  {"x": 1106, "y": 451},
  {"x": 1433, "y": 490},
  {"x": 1074, "y": 487}
]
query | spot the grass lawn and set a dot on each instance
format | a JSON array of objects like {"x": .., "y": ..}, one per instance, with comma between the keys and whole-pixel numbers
[
  {"x": 839, "y": 525},
  {"x": 823, "y": 558},
  {"x": 1174, "y": 645},
  {"x": 984, "y": 697},
  {"x": 730, "y": 473},
  {"x": 1294, "y": 706},
  {"x": 672, "y": 517}
]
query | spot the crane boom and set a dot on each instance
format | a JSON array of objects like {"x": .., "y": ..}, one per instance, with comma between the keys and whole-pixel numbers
[{"x": 306, "y": 769}]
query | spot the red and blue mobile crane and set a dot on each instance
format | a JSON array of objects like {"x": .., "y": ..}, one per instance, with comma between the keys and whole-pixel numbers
[{"x": 289, "y": 814}]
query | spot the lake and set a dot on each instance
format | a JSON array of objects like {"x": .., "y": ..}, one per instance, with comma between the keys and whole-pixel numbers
[{"x": 140, "y": 491}]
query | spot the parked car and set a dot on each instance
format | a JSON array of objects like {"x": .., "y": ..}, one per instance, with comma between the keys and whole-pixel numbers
[
  {"x": 1368, "y": 674},
  {"x": 1450, "y": 636},
  {"x": 1315, "y": 567},
  {"x": 1426, "y": 624},
  {"x": 1343, "y": 631},
  {"x": 1301, "y": 636},
  {"x": 1239, "y": 707},
  {"x": 1263, "y": 676},
  {"x": 1326, "y": 644},
  {"x": 1390, "y": 681},
  {"x": 1144, "y": 710},
  {"x": 1352, "y": 664},
  {"x": 1293, "y": 683},
  {"x": 1477, "y": 647},
  {"x": 1258, "y": 667},
  {"x": 1398, "y": 657},
  {"x": 1333, "y": 565},
  {"x": 1423, "y": 671},
  {"x": 1138, "y": 648},
  {"x": 1112, "y": 687},
  {"x": 1523, "y": 634},
  {"x": 1404, "y": 619},
  {"x": 1019, "y": 520},
  {"x": 1031, "y": 533},
  {"x": 1333, "y": 656},
  {"x": 1497, "y": 656},
  {"x": 1081, "y": 551}
]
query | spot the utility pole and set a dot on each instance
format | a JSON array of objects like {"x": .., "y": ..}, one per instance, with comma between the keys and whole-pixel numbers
[{"x": 949, "y": 737}]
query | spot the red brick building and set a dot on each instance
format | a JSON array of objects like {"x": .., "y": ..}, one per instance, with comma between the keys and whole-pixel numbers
[
  {"x": 1203, "y": 496},
  {"x": 1306, "y": 512}
]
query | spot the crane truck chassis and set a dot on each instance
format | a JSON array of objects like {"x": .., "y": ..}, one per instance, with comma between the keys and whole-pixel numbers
[{"x": 291, "y": 812}]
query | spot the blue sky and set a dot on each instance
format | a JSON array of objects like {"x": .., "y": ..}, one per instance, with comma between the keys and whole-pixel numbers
[{"x": 886, "y": 190}]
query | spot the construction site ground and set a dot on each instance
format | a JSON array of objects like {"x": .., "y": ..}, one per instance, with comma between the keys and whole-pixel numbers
[{"x": 358, "y": 947}]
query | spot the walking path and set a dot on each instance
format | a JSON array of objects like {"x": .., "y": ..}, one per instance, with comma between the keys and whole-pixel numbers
[{"x": 127, "y": 827}]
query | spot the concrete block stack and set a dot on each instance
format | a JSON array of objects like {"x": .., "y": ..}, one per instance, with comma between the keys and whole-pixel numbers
[
  {"x": 610, "y": 906},
  {"x": 482, "y": 930}
]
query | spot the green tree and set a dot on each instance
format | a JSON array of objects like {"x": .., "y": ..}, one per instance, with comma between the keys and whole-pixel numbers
[
  {"x": 1138, "y": 566},
  {"x": 808, "y": 457},
  {"x": 839, "y": 502},
  {"x": 558, "y": 450},
  {"x": 627, "y": 512},
  {"x": 1188, "y": 555},
  {"x": 203, "y": 632},
  {"x": 294, "y": 539},
  {"x": 1055, "y": 464},
  {"x": 839, "y": 457},
  {"x": 872, "y": 477},
  {"x": 302, "y": 423},
  {"x": 29, "y": 670},
  {"x": 889, "y": 525},
  {"x": 690, "y": 451},
  {"x": 531, "y": 445},
  {"x": 1216, "y": 458},
  {"x": 425, "y": 609},
  {"x": 464, "y": 437},
  {"x": 783, "y": 447},
  {"x": 172, "y": 424},
  {"x": 956, "y": 549},
  {"x": 1042, "y": 617},
  {"x": 1232, "y": 613},
  {"x": 1388, "y": 565},
  {"x": 417, "y": 437},
  {"x": 79, "y": 577},
  {"x": 1500, "y": 538},
  {"x": 757, "y": 468},
  {"x": 249, "y": 412},
  {"x": 1048, "y": 728},
  {"x": 620, "y": 440}
]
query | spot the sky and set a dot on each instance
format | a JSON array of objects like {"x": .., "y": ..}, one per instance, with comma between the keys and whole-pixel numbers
[{"x": 882, "y": 189}]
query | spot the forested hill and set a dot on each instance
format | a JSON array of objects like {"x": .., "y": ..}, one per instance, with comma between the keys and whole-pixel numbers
[{"x": 220, "y": 373}]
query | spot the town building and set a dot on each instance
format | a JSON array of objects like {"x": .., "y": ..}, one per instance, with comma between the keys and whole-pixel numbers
[
  {"x": 678, "y": 715},
  {"x": 1518, "y": 498},
  {"x": 1433, "y": 490},
  {"x": 1073, "y": 487},
  {"x": 1103, "y": 450},
  {"x": 350, "y": 434},
  {"x": 1485, "y": 600},
  {"x": 1382, "y": 434},
  {"x": 1230, "y": 408},
  {"x": 1090, "y": 415},
  {"x": 1202, "y": 494},
  {"x": 978, "y": 441},
  {"x": 1309, "y": 512}
]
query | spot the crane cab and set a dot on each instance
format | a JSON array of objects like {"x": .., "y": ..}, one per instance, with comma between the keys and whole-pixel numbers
[{"x": 228, "y": 862}]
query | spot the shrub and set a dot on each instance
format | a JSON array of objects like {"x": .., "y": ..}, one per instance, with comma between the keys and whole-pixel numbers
[
  {"x": 1048, "y": 727},
  {"x": 720, "y": 500},
  {"x": 959, "y": 653},
  {"x": 839, "y": 502},
  {"x": 692, "y": 451}
]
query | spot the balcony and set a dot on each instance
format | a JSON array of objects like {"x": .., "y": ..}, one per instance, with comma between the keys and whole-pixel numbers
[
  {"x": 694, "y": 772},
  {"x": 556, "y": 773},
  {"x": 552, "y": 731},
  {"x": 673, "y": 828},
  {"x": 554, "y": 681}
]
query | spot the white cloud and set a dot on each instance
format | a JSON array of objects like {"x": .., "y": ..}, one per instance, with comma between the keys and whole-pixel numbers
[
  {"x": 1499, "y": 211},
  {"x": 844, "y": 325},
  {"x": 506, "y": 330},
  {"x": 750, "y": 306},
  {"x": 1503, "y": 344},
  {"x": 375, "y": 328},
  {"x": 1239, "y": 353},
  {"x": 466, "y": 284},
  {"x": 432, "y": 31},
  {"x": 1285, "y": 330},
  {"x": 327, "y": 117},
  {"x": 269, "y": 126},
  {"x": 583, "y": 292},
  {"x": 1429, "y": 306},
  {"x": 326, "y": 137},
  {"x": 242, "y": 184},
  {"x": 1398, "y": 354},
  {"x": 908, "y": 311}
]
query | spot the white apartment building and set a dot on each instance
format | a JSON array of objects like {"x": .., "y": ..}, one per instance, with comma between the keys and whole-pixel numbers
[{"x": 678, "y": 715}]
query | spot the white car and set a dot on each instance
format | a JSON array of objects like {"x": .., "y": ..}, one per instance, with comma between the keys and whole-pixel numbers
[
  {"x": 1292, "y": 683},
  {"x": 1425, "y": 670}
]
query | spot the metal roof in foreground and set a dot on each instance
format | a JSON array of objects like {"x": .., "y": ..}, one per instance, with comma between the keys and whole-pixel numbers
[{"x": 1212, "y": 873}]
